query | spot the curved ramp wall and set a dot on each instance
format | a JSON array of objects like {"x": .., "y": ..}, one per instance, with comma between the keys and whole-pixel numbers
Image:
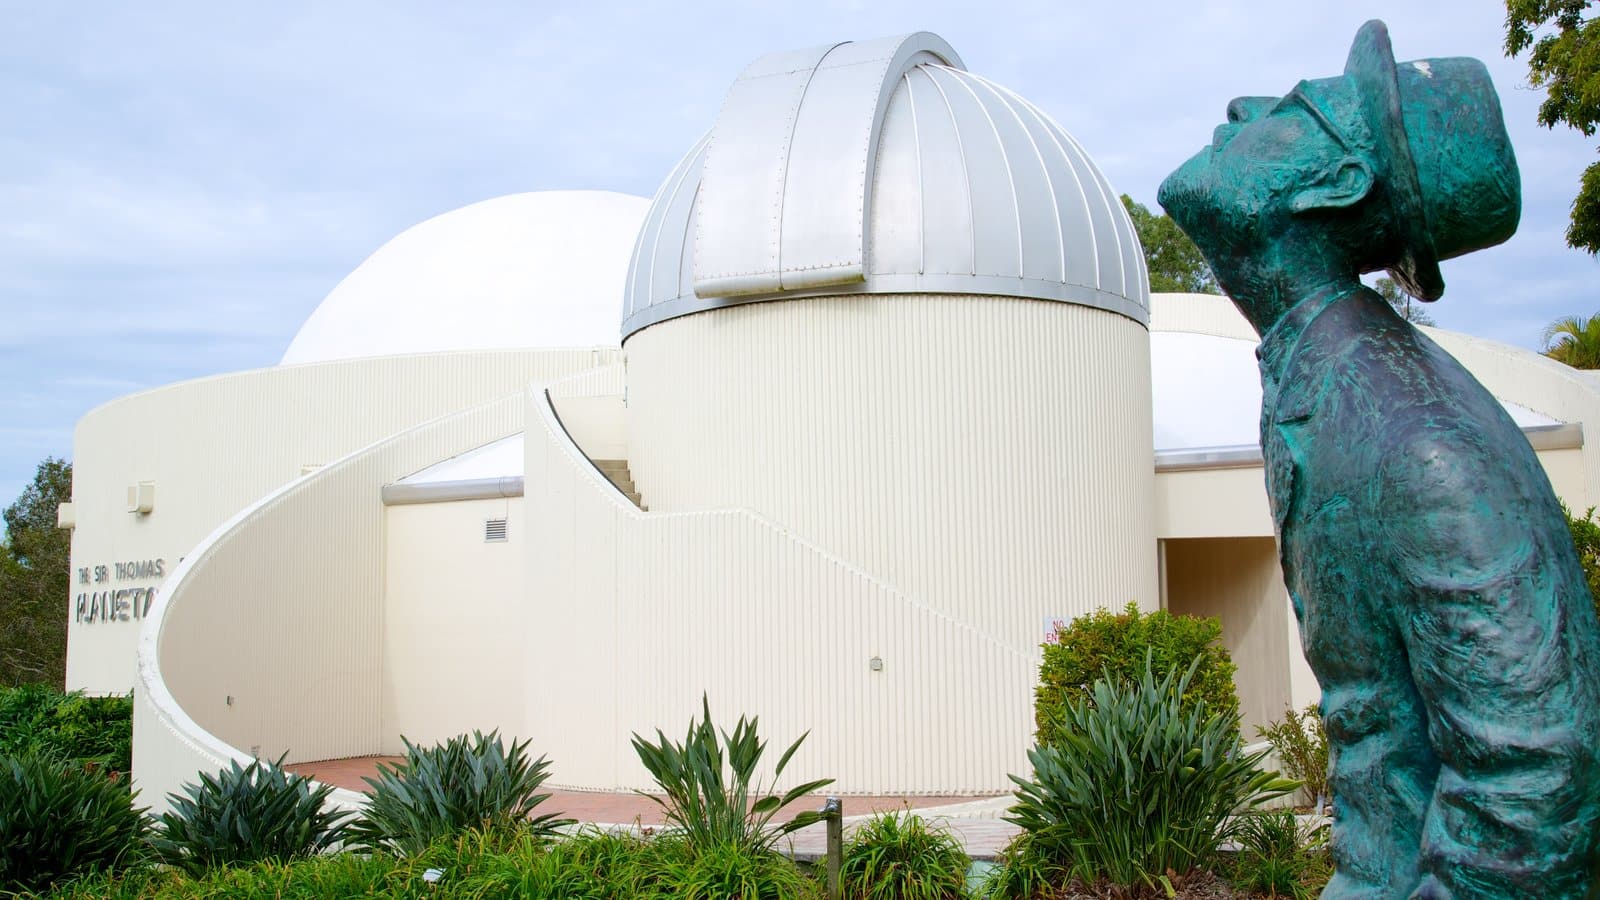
[
  {"x": 213, "y": 446},
  {"x": 268, "y": 639},
  {"x": 988, "y": 457},
  {"x": 644, "y": 612}
]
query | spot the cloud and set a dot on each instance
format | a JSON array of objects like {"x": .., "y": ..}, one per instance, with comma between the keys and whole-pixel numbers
[{"x": 180, "y": 185}]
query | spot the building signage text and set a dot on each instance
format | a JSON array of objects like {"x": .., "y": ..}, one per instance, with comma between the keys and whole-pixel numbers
[{"x": 107, "y": 599}]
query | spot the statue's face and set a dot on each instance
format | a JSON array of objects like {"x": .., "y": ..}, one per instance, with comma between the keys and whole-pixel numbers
[{"x": 1233, "y": 197}]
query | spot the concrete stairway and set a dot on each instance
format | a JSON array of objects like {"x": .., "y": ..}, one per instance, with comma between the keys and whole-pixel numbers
[{"x": 616, "y": 470}]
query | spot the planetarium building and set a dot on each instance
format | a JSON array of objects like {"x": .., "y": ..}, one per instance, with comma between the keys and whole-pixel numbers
[{"x": 835, "y": 429}]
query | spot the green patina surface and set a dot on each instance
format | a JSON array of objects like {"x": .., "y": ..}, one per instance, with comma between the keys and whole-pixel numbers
[{"x": 1441, "y": 602}]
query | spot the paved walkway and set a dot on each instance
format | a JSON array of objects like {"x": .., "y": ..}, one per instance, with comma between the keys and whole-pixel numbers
[{"x": 975, "y": 821}]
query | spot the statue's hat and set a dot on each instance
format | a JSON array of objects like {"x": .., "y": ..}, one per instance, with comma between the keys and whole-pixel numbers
[{"x": 1452, "y": 178}]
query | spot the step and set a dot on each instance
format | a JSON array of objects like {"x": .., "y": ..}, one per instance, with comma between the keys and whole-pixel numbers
[{"x": 616, "y": 471}]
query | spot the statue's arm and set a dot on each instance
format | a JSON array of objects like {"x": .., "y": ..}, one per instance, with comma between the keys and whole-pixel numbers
[{"x": 1514, "y": 717}]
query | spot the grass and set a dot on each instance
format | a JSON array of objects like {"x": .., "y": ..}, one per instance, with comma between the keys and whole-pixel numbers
[
  {"x": 500, "y": 861},
  {"x": 1280, "y": 857},
  {"x": 898, "y": 856}
]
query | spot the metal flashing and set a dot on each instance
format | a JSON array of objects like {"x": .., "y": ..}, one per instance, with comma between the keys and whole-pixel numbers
[
  {"x": 1244, "y": 456},
  {"x": 891, "y": 284},
  {"x": 401, "y": 494},
  {"x": 1561, "y": 436}
]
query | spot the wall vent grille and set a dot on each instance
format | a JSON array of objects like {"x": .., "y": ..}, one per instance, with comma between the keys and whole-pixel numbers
[{"x": 494, "y": 530}]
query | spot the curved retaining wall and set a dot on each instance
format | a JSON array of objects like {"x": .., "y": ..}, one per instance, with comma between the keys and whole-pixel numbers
[
  {"x": 267, "y": 639},
  {"x": 214, "y": 446}
]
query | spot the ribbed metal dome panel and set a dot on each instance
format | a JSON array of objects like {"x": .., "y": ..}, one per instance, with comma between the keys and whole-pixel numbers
[{"x": 971, "y": 190}]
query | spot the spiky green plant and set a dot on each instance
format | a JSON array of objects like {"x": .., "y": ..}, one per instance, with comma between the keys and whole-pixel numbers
[
  {"x": 897, "y": 856},
  {"x": 59, "y": 820},
  {"x": 463, "y": 783},
  {"x": 709, "y": 784},
  {"x": 1138, "y": 784},
  {"x": 245, "y": 814},
  {"x": 1280, "y": 856}
]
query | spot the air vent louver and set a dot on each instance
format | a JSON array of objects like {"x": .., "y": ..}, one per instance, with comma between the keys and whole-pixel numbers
[{"x": 494, "y": 530}]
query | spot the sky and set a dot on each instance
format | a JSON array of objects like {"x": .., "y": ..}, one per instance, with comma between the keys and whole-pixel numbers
[{"x": 181, "y": 183}]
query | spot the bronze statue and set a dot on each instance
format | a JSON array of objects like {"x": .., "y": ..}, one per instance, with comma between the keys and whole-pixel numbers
[{"x": 1440, "y": 599}]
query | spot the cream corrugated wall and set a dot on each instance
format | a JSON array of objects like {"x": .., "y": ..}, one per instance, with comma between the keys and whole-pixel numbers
[
  {"x": 1238, "y": 581},
  {"x": 216, "y": 445},
  {"x": 1539, "y": 383},
  {"x": 988, "y": 457},
  {"x": 641, "y": 613},
  {"x": 1211, "y": 314},
  {"x": 269, "y": 638},
  {"x": 455, "y": 629}
]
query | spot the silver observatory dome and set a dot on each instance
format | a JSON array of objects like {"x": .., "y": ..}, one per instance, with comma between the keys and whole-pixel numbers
[{"x": 881, "y": 167}]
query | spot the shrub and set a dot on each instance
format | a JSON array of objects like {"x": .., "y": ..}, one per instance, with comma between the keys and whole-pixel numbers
[
  {"x": 1102, "y": 642},
  {"x": 310, "y": 878},
  {"x": 1137, "y": 784},
  {"x": 1586, "y": 538},
  {"x": 743, "y": 871},
  {"x": 707, "y": 783},
  {"x": 591, "y": 863},
  {"x": 59, "y": 820},
  {"x": 130, "y": 883},
  {"x": 244, "y": 815},
  {"x": 894, "y": 856},
  {"x": 37, "y": 719},
  {"x": 596, "y": 864},
  {"x": 463, "y": 783},
  {"x": 465, "y": 857},
  {"x": 1280, "y": 857},
  {"x": 1302, "y": 747},
  {"x": 1025, "y": 870}
]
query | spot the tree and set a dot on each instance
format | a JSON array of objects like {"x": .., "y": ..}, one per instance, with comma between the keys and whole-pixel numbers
[
  {"x": 1175, "y": 263},
  {"x": 1565, "y": 61},
  {"x": 1403, "y": 303},
  {"x": 35, "y": 563},
  {"x": 1574, "y": 340}
]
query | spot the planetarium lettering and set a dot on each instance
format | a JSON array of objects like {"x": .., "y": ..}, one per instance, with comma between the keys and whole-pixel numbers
[{"x": 110, "y": 603}]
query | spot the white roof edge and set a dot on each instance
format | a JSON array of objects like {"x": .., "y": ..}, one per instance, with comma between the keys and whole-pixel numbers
[{"x": 1560, "y": 436}]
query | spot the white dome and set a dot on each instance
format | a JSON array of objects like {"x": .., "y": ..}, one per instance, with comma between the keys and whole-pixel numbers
[
  {"x": 528, "y": 270},
  {"x": 882, "y": 167}
]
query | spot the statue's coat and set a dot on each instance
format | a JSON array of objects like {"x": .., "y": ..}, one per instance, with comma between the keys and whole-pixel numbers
[{"x": 1442, "y": 607}]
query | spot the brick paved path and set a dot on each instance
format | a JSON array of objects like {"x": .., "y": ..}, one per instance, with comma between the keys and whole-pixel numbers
[{"x": 974, "y": 821}]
